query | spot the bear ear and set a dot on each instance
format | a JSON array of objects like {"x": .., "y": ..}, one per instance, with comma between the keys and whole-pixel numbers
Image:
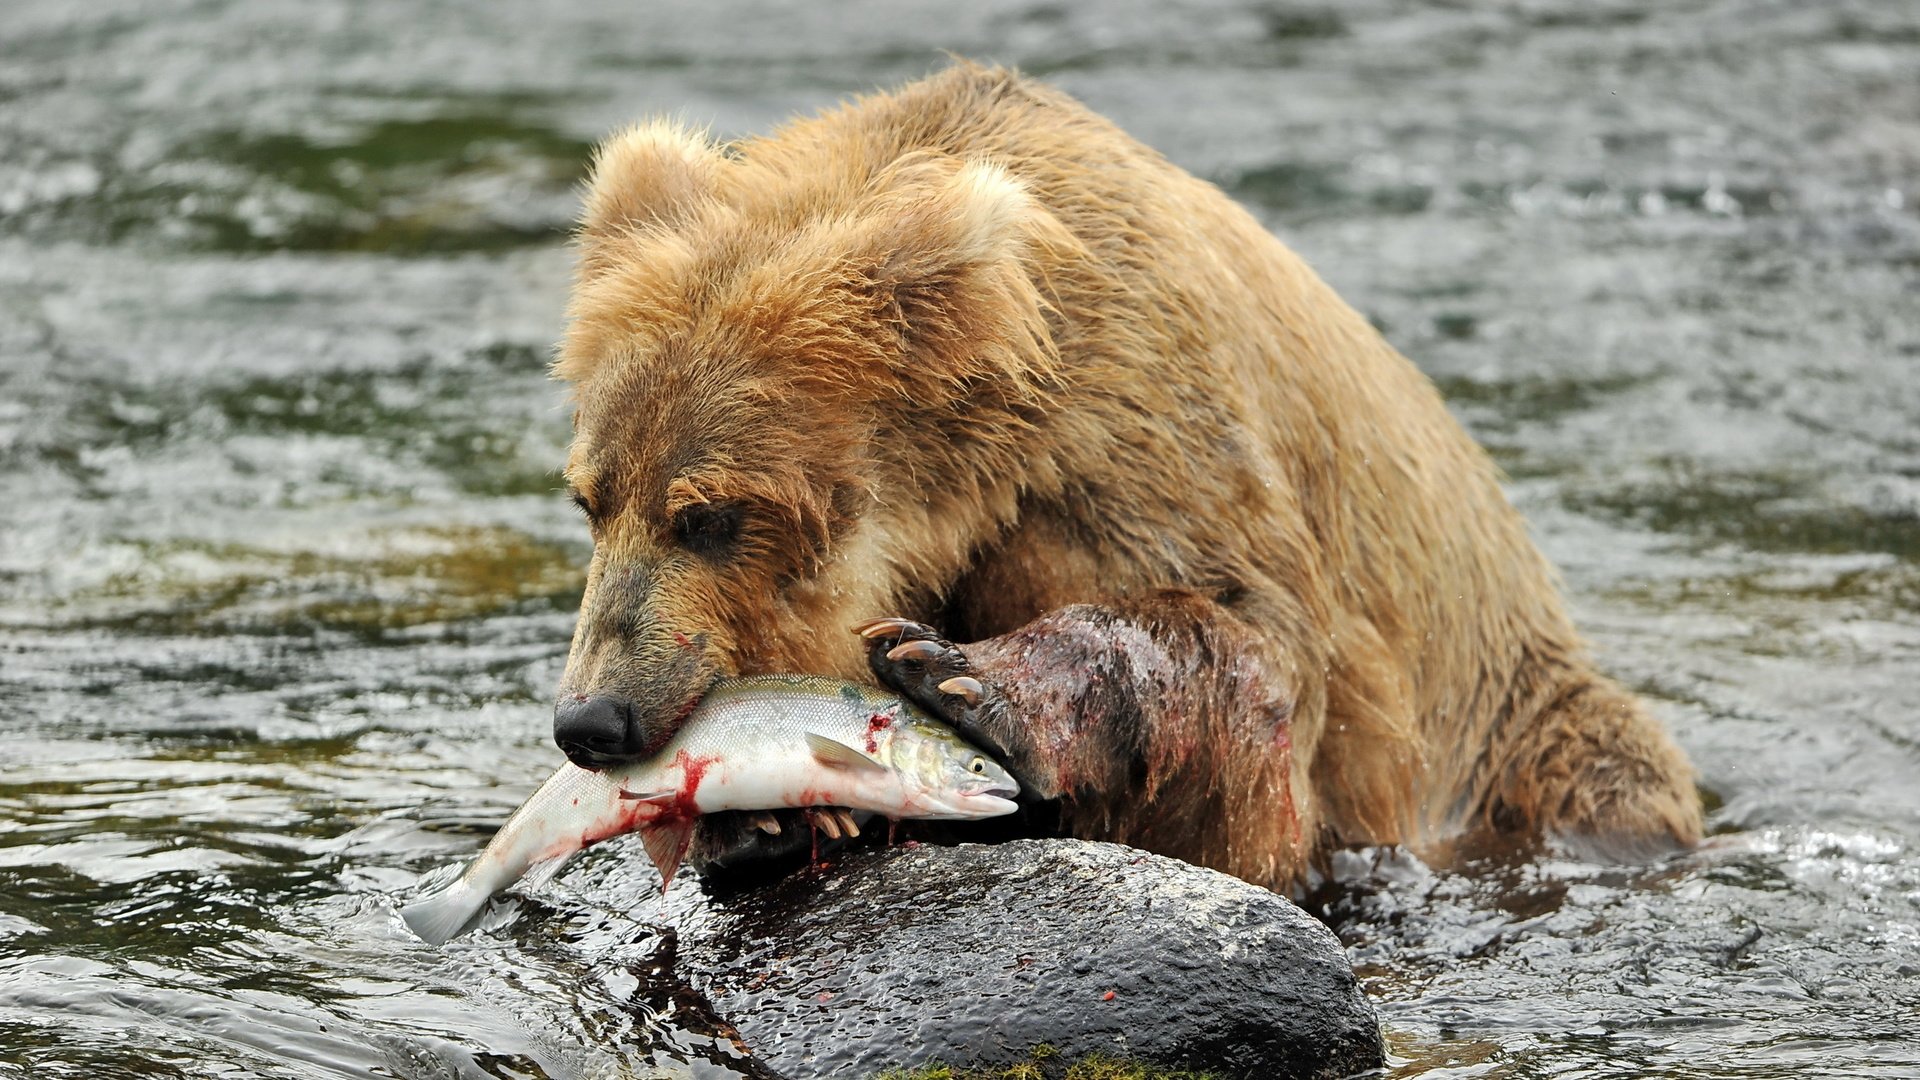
[
  {"x": 988, "y": 212},
  {"x": 940, "y": 220},
  {"x": 650, "y": 174},
  {"x": 958, "y": 251}
]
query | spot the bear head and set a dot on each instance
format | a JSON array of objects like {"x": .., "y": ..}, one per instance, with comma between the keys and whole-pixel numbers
[{"x": 795, "y": 383}]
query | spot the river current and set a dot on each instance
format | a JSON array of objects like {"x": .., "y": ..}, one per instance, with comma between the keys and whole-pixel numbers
[{"x": 286, "y": 581}]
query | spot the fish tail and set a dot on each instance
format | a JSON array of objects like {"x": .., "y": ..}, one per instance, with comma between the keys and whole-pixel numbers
[{"x": 439, "y": 916}]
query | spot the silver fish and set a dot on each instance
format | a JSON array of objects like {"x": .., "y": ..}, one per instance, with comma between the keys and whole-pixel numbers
[{"x": 756, "y": 743}]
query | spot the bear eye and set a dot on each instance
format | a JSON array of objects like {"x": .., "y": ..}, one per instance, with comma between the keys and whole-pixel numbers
[
  {"x": 707, "y": 529},
  {"x": 580, "y": 501}
]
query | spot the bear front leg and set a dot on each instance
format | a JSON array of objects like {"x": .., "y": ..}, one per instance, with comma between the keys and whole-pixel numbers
[{"x": 1158, "y": 720}]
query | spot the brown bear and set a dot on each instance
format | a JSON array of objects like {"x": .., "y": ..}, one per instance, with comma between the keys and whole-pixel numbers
[{"x": 1229, "y": 581}]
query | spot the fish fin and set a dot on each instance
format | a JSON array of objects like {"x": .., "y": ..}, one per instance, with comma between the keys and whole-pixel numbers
[
  {"x": 838, "y": 755},
  {"x": 542, "y": 873},
  {"x": 656, "y": 797},
  {"x": 437, "y": 917},
  {"x": 667, "y": 845}
]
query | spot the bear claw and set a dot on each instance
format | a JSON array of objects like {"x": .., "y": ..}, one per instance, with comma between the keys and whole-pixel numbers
[
  {"x": 963, "y": 686},
  {"x": 915, "y": 650},
  {"x": 874, "y": 628},
  {"x": 834, "y": 821},
  {"x": 823, "y": 821}
]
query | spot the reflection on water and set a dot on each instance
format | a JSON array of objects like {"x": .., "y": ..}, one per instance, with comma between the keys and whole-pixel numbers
[
  {"x": 397, "y": 580},
  {"x": 285, "y": 583}
]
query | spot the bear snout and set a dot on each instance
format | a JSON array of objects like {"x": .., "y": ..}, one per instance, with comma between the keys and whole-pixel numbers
[{"x": 599, "y": 730}]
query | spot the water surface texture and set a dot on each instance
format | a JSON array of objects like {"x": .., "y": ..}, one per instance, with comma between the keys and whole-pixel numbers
[{"x": 286, "y": 582}]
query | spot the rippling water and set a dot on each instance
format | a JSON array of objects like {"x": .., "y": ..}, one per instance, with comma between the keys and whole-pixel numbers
[{"x": 285, "y": 582}]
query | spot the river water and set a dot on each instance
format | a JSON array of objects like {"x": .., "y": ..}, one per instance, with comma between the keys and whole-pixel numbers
[{"x": 286, "y": 583}]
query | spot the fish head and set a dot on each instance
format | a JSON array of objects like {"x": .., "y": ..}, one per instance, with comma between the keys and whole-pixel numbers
[{"x": 944, "y": 776}]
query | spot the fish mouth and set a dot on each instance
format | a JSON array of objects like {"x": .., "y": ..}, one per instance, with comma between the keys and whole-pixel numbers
[
  {"x": 970, "y": 807},
  {"x": 996, "y": 802},
  {"x": 990, "y": 787}
]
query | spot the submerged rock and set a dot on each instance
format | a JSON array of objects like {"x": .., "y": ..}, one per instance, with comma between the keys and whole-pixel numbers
[{"x": 973, "y": 955}]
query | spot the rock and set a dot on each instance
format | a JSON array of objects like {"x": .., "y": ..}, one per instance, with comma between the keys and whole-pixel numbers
[{"x": 973, "y": 955}]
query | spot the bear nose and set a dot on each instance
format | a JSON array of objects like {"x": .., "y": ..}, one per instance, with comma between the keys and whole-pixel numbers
[{"x": 597, "y": 731}]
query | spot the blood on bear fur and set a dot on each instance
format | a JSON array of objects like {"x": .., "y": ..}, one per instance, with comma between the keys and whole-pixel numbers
[{"x": 1233, "y": 584}]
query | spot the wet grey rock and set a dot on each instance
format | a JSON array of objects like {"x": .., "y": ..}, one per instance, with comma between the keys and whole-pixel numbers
[{"x": 972, "y": 955}]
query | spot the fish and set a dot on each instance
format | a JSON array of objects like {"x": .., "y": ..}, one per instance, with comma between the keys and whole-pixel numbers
[{"x": 760, "y": 742}]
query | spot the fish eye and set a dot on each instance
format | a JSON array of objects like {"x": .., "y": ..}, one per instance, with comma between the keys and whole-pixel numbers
[{"x": 978, "y": 765}]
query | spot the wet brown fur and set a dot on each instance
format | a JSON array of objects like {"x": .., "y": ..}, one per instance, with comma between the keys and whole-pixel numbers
[{"x": 968, "y": 352}]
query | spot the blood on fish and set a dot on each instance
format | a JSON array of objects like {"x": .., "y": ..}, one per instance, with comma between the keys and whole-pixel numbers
[
  {"x": 633, "y": 815},
  {"x": 560, "y": 846},
  {"x": 877, "y": 723},
  {"x": 693, "y": 769}
]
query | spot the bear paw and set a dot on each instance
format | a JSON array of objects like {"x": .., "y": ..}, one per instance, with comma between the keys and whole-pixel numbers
[{"x": 930, "y": 671}]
